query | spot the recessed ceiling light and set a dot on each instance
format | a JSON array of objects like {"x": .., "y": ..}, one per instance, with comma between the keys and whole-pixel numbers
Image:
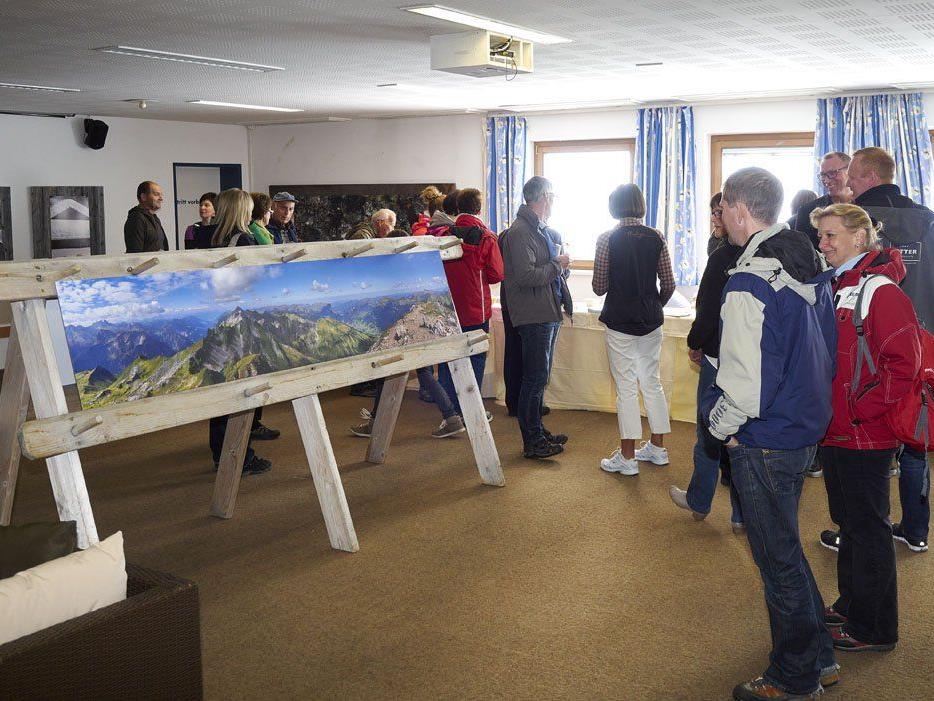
[
  {"x": 187, "y": 58},
  {"x": 41, "y": 88},
  {"x": 511, "y": 30},
  {"x": 242, "y": 106}
]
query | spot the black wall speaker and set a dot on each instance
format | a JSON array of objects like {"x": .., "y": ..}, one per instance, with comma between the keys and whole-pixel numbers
[{"x": 95, "y": 133}]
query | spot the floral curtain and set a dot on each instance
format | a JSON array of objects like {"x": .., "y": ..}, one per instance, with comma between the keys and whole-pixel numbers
[
  {"x": 665, "y": 170},
  {"x": 895, "y": 122},
  {"x": 505, "y": 168}
]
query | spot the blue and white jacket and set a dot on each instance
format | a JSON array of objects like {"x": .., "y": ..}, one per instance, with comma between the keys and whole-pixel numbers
[{"x": 778, "y": 340}]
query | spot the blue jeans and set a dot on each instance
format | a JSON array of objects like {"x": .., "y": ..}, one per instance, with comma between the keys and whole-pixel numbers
[
  {"x": 769, "y": 484},
  {"x": 707, "y": 450},
  {"x": 477, "y": 361},
  {"x": 537, "y": 345},
  {"x": 914, "y": 487},
  {"x": 426, "y": 379}
]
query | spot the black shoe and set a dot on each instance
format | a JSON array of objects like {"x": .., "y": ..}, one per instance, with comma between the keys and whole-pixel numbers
[
  {"x": 363, "y": 390},
  {"x": 542, "y": 450},
  {"x": 916, "y": 546},
  {"x": 256, "y": 466},
  {"x": 264, "y": 433},
  {"x": 557, "y": 438},
  {"x": 814, "y": 470},
  {"x": 830, "y": 540},
  {"x": 546, "y": 410}
]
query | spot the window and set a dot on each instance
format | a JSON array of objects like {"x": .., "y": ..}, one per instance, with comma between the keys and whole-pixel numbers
[
  {"x": 583, "y": 174},
  {"x": 790, "y": 157}
]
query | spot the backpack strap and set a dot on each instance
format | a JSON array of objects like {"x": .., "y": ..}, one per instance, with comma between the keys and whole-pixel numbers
[{"x": 859, "y": 317}]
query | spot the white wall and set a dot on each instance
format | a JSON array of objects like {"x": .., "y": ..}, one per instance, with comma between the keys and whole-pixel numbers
[
  {"x": 49, "y": 151},
  {"x": 426, "y": 149}
]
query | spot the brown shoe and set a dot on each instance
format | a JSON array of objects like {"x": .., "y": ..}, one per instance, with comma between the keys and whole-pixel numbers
[{"x": 760, "y": 690}]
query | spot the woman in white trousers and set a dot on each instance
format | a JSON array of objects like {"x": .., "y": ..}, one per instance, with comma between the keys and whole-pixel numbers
[{"x": 633, "y": 269}]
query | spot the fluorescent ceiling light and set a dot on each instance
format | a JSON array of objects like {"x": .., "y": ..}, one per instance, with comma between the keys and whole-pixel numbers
[
  {"x": 41, "y": 88},
  {"x": 511, "y": 30},
  {"x": 241, "y": 106},
  {"x": 187, "y": 58}
]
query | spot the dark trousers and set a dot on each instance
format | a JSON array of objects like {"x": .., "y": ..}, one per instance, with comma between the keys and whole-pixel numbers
[
  {"x": 428, "y": 381},
  {"x": 914, "y": 491},
  {"x": 857, "y": 483},
  {"x": 477, "y": 361},
  {"x": 512, "y": 363},
  {"x": 537, "y": 349},
  {"x": 768, "y": 483},
  {"x": 217, "y": 429}
]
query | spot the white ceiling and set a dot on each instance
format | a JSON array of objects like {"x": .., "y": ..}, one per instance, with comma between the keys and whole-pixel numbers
[{"x": 335, "y": 52}]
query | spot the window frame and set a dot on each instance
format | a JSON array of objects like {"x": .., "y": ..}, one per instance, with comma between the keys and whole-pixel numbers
[
  {"x": 541, "y": 148},
  {"x": 720, "y": 142}
]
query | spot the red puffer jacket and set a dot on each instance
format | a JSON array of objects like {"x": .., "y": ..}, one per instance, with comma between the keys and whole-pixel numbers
[
  {"x": 891, "y": 329},
  {"x": 470, "y": 276}
]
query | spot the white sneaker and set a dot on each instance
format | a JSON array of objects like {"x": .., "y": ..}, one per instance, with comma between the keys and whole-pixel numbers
[
  {"x": 649, "y": 452},
  {"x": 617, "y": 463}
]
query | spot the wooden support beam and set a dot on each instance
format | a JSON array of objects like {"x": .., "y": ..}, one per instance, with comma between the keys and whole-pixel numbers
[
  {"x": 324, "y": 472},
  {"x": 14, "y": 403},
  {"x": 18, "y": 280},
  {"x": 52, "y": 435},
  {"x": 230, "y": 468},
  {"x": 48, "y": 398},
  {"x": 478, "y": 428},
  {"x": 384, "y": 423}
]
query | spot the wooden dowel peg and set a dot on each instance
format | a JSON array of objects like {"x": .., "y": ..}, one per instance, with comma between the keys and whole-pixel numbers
[
  {"x": 478, "y": 339},
  {"x": 78, "y": 429},
  {"x": 449, "y": 244},
  {"x": 250, "y": 391},
  {"x": 357, "y": 251},
  {"x": 67, "y": 272},
  {"x": 408, "y": 246},
  {"x": 387, "y": 361},
  {"x": 288, "y": 258},
  {"x": 143, "y": 267},
  {"x": 232, "y": 258}
]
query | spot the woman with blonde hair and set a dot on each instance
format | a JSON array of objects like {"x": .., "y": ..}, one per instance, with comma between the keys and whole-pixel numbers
[{"x": 878, "y": 359}]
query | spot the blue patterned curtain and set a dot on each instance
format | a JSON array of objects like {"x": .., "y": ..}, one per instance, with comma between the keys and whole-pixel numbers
[
  {"x": 505, "y": 168},
  {"x": 665, "y": 170},
  {"x": 893, "y": 122}
]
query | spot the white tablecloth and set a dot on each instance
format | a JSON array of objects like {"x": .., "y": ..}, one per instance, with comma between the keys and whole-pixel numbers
[{"x": 580, "y": 376}]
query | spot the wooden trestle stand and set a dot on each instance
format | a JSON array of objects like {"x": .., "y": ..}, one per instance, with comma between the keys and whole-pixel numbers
[{"x": 31, "y": 371}]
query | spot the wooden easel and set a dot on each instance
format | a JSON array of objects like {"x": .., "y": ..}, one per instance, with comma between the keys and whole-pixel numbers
[{"x": 31, "y": 371}]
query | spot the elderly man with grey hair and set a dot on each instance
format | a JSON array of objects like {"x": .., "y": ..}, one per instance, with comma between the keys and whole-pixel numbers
[
  {"x": 771, "y": 406},
  {"x": 378, "y": 226},
  {"x": 535, "y": 290}
]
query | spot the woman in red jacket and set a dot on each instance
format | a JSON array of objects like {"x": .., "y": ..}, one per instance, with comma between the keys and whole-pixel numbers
[
  {"x": 859, "y": 445},
  {"x": 470, "y": 277}
]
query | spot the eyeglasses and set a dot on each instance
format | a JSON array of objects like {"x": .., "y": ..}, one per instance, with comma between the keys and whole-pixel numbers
[
  {"x": 717, "y": 212},
  {"x": 831, "y": 174}
]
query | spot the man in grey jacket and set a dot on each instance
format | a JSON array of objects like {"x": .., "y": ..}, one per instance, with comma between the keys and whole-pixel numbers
[{"x": 533, "y": 284}]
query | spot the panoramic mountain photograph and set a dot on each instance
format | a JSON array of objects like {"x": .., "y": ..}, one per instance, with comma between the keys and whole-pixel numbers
[{"x": 134, "y": 337}]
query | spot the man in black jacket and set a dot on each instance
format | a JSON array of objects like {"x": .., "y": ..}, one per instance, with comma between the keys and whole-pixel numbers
[
  {"x": 143, "y": 231},
  {"x": 833, "y": 169}
]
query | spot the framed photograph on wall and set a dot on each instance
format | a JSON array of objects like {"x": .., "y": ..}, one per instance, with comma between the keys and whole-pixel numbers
[
  {"x": 67, "y": 221},
  {"x": 6, "y": 225}
]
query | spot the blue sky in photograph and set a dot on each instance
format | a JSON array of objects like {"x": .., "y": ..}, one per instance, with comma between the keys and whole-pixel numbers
[{"x": 198, "y": 292}]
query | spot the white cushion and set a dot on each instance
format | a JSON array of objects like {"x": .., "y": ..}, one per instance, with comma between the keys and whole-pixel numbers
[{"x": 62, "y": 589}]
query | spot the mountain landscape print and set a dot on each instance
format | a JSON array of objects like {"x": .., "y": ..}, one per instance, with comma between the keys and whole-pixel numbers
[{"x": 135, "y": 337}]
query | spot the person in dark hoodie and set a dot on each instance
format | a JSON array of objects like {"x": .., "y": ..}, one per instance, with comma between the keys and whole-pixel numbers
[
  {"x": 143, "y": 232},
  {"x": 771, "y": 406},
  {"x": 860, "y": 444}
]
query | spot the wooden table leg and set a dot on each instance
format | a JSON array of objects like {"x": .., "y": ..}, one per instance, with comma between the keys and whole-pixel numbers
[
  {"x": 324, "y": 472},
  {"x": 390, "y": 401},
  {"x": 48, "y": 398},
  {"x": 14, "y": 403},
  {"x": 478, "y": 428},
  {"x": 230, "y": 468}
]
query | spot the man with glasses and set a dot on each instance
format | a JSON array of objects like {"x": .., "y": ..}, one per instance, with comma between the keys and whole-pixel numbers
[
  {"x": 833, "y": 170},
  {"x": 533, "y": 284}
]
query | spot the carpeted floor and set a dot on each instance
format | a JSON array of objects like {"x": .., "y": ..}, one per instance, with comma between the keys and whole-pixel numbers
[{"x": 566, "y": 583}]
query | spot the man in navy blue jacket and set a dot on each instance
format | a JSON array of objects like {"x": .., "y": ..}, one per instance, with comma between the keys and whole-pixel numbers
[{"x": 771, "y": 406}]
